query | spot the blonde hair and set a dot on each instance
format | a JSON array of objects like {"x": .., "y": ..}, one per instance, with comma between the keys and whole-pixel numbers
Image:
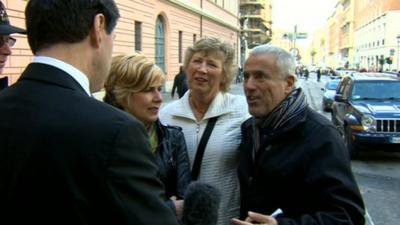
[
  {"x": 211, "y": 45},
  {"x": 129, "y": 74}
]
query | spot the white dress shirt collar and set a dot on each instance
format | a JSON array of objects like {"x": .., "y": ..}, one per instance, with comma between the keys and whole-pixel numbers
[{"x": 75, "y": 73}]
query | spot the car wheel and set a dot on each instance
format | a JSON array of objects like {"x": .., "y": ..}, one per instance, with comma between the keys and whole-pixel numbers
[{"x": 349, "y": 143}]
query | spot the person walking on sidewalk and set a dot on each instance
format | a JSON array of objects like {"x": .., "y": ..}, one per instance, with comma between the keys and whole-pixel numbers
[
  {"x": 180, "y": 83},
  {"x": 67, "y": 158},
  {"x": 318, "y": 74}
]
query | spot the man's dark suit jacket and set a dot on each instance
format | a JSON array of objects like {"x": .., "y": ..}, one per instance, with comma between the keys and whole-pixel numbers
[{"x": 67, "y": 158}]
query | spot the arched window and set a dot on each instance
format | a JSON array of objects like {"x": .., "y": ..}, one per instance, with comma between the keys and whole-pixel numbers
[{"x": 160, "y": 43}]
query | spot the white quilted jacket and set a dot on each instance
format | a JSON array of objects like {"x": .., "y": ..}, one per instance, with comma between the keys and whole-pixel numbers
[{"x": 220, "y": 160}]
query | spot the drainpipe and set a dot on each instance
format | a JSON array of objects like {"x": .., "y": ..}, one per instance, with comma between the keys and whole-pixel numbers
[{"x": 201, "y": 19}]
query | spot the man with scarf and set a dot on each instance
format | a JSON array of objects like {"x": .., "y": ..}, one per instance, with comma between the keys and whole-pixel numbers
[{"x": 293, "y": 159}]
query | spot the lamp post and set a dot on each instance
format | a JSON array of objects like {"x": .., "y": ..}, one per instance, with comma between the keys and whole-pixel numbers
[{"x": 398, "y": 49}]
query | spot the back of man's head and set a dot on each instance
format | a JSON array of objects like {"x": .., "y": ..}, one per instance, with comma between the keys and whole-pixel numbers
[{"x": 50, "y": 22}]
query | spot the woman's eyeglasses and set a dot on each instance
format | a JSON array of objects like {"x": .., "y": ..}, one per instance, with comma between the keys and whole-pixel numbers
[{"x": 10, "y": 41}]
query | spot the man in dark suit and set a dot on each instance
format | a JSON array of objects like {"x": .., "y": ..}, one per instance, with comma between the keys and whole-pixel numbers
[{"x": 65, "y": 157}]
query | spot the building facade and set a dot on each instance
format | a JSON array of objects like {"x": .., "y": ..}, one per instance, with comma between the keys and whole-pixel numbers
[
  {"x": 361, "y": 34},
  {"x": 160, "y": 29},
  {"x": 377, "y": 33},
  {"x": 256, "y": 21}
]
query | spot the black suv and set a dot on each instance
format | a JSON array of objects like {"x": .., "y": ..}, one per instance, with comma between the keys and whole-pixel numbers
[{"x": 366, "y": 111}]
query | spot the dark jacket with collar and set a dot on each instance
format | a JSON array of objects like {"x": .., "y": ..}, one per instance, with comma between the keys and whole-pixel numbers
[
  {"x": 180, "y": 84},
  {"x": 173, "y": 161},
  {"x": 67, "y": 158},
  {"x": 302, "y": 169}
]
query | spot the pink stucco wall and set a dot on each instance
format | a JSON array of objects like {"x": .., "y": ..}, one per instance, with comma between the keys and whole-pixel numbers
[{"x": 177, "y": 18}]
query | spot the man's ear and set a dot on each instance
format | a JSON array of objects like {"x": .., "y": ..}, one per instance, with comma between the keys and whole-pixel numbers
[
  {"x": 98, "y": 30},
  {"x": 291, "y": 83}
]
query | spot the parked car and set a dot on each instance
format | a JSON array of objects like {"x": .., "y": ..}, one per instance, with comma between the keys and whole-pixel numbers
[
  {"x": 329, "y": 94},
  {"x": 367, "y": 112}
]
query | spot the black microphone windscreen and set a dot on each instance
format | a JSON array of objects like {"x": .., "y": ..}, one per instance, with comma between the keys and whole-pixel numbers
[{"x": 201, "y": 204}]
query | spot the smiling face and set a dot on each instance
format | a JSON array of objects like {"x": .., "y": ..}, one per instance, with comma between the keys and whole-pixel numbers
[
  {"x": 205, "y": 73},
  {"x": 264, "y": 87},
  {"x": 145, "y": 105},
  {"x": 134, "y": 85}
]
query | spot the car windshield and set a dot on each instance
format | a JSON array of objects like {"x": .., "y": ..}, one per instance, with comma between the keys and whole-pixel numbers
[
  {"x": 331, "y": 85},
  {"x": 376, "y": 90}
]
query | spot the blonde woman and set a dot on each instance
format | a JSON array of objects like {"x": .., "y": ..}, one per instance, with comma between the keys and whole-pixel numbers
[
  {"x": 134, "y": 85},
  {"x": 210, "y": 70}
]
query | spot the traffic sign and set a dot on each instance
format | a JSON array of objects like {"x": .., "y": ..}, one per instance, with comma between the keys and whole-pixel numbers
[{"x": 301, "y": 35}]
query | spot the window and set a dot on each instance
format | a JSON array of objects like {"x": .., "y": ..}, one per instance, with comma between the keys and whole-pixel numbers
[
  {"x": 160, "y": 43},
  {"x": 138, "y": 36},
  {"x": 180, "y": 47}
]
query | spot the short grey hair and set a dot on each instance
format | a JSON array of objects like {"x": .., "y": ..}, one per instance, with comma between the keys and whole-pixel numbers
[{"x": 284, "y": 60}]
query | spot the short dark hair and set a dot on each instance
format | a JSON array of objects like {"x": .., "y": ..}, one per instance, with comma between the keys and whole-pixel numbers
[{"x": 54, "y": 21}]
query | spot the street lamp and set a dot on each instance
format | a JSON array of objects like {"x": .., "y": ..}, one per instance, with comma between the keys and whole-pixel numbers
[{"x": 398, "y": 49}]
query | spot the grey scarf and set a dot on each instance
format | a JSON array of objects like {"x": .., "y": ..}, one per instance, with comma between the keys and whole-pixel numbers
[{"x": 294, "y": 104}]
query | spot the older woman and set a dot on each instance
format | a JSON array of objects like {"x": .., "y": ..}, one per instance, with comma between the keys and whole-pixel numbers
[
  {"x": 134, "y": 85},
  {"x": 209, "y": 68}
]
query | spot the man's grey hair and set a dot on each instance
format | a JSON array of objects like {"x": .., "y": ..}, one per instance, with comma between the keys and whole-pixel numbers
[{"x": 284, "y": 60}]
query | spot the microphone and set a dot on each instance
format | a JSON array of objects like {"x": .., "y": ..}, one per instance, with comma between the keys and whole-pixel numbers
[{"x": 201, "y": 204}]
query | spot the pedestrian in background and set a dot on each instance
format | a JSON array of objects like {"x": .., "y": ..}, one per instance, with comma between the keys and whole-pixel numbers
[
  {"x": 180, "y": 83},
  {"x": 306, "y": 73},
  {"x": 293, "y": 158},
  {"x": 134, "y": 85},
  {"x": 210, "y": 70},
  {"x": 67, "y": 158},
  {"x": 6, "y": 41},
  {"x": 239, "y": 75},
  {"x": 318, "y": 74}
]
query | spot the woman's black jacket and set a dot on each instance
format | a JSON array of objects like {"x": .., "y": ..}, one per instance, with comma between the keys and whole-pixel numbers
[{"x": 173, "y": 161}]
